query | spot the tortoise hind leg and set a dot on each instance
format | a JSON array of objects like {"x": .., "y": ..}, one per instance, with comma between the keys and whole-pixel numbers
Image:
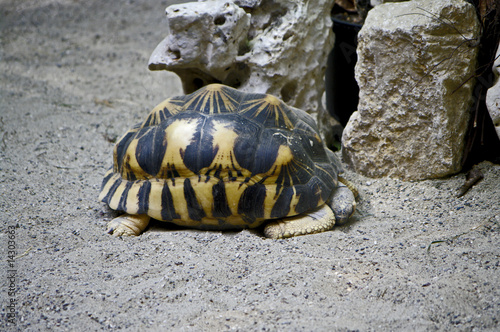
[
  {"x": 320, "y": 220},
  {"x": 128, "y": 224}
]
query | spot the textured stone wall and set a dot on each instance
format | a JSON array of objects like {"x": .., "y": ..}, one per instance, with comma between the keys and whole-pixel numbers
[
  {"x": 414, "y": 62},
  {"x": 493, "y": 95},
  {"x": 264, "y": 46}
]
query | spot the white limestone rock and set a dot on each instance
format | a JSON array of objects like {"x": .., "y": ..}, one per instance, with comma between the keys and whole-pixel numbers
[
  {"x": 203, "y": 41},
  {"x": 262, "y": 46},
  {"x": 414, "y": 63},
  {"x": 493, "y": 95}
]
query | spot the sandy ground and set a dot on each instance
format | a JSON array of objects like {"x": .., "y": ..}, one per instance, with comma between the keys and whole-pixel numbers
[{"x": 73, "y": 76}]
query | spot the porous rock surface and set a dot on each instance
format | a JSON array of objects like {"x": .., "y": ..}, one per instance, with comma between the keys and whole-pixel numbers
[
  {"x": 374, "y": 3},
  {"x": 493, "y": 96},
  {"x": 262, "y": 46},
  {"x": 414, "y": 63}
]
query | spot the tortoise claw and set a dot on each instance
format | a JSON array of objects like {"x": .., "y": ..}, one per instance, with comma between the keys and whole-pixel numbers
[{"x": 128, "y": 225}]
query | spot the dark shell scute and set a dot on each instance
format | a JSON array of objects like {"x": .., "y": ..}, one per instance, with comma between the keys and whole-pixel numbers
[
  {"x": 220, "y": 208},
  {"x": 194, "y": 209},
  {"x": 151, "y": 149},
  {"x": 282, "y": 205},
  {"x": 251, "y": 204},
  {"x": 143, "y": 197},
  {"x": 168, "y": 209}
]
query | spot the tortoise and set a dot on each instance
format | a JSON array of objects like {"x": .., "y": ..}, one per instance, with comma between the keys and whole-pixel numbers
[{"x": 218, "y": 159}]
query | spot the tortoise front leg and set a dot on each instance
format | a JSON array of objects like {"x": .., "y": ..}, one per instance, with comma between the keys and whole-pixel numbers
[
  {"x": 128, "y": 224},
  {"x": 320, "y": 220}
]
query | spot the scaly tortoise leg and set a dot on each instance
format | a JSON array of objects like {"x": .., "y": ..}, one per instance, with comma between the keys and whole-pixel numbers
[
  {"x": 128, "y": 224},
  {"x": 320, "y": 220},
  {"x": 337, "y": 210}
]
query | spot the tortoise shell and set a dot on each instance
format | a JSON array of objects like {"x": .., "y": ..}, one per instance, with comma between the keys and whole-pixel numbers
[{"x": 220, "y": 158}]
